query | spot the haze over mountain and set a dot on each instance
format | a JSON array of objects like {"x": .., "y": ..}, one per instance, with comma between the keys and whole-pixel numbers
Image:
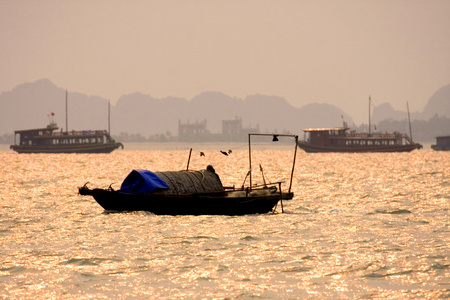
[
  {"x": 335, "y": 52},
  {"x": 29, "y": 105},
  {"x": 438, "y": 104}
]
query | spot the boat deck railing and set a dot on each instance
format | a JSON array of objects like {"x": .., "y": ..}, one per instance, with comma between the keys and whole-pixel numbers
[
  {"x": 80, "y": 133},
  {"x": 379, "y": 135}
]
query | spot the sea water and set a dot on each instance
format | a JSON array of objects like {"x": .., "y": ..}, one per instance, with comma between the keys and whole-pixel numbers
[{"x": 373, "y": 225}]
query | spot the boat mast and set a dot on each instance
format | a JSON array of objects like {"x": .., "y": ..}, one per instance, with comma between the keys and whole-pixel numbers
[
  {"x": 409, "y": 121},
  {"x": 250, "y": 159},
  {"x": 370, "y": 126},
  {"x": 109, "y": 117},
  {"x": 67, "y": 126}
]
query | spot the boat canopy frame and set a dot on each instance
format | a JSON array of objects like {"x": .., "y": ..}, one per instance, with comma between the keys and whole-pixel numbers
[{"x": 275, "y": 138}]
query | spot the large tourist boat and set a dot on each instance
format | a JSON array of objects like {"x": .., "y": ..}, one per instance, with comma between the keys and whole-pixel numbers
[
  {"x": 442, "y": 143},
  {"x": 50, "y": 140},
  {"x": 341, "y": 139}
]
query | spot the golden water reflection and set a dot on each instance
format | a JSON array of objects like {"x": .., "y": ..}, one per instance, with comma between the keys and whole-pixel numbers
[{"x": 360, "y": 226}]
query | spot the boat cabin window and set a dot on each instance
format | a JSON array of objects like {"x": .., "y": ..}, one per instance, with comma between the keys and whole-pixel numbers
[{"x": 335, "y": 132}]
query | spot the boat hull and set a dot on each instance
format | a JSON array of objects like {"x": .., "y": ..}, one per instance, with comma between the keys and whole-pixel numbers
[
  {"x": 440, "y": 148},
  {"x": 224, "y": 203},
  {"x": 86, "y": 148},
  {"x": 352, "y": 149}
]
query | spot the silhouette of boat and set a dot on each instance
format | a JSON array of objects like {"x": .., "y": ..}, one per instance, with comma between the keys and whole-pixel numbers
[
  {"x": 48, "y": 140},
  {"x": 190, "y": 193},
  {"x": 442, "y": 143},
  {"x": 340, "y": 140}
]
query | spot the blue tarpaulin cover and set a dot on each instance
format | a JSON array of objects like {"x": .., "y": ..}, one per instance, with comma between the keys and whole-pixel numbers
[{"x": 142, "y": 181}]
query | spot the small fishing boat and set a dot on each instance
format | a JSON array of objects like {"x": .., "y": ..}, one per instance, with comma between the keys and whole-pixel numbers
[
  {"x": 50, "y": 140},
  {"x": 189, "y": 192},
  {"x": 341, "y": 139},
  {"x": 442, "y": 143}
]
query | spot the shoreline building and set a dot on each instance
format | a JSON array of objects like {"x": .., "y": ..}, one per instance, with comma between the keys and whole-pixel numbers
[
  {"x": 232, "y": 131},
  {"x": 193, "y": 132}
]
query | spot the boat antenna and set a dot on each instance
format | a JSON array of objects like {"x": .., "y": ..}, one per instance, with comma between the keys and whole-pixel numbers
[
  {"x": 409, "y": 121},
  {"x": 67, "y": 126}
]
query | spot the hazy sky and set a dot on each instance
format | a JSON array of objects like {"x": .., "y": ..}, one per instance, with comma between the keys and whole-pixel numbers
[{"x": 337, "y": 52}]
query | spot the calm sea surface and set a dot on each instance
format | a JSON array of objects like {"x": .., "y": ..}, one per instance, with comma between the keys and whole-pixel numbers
[{"x": 360, "y": 226}]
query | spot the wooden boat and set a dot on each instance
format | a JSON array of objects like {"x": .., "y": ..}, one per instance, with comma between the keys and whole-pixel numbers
[
  {"x": 221, "y": 202},
  {"x": 340, "y": 140},
  {"x": 49, "y": 140},
  {"x": 442, "y": 143},
  {"x": 190, "y": 193}
]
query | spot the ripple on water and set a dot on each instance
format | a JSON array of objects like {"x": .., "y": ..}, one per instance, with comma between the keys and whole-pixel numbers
[{"x": 359, "y": 226}]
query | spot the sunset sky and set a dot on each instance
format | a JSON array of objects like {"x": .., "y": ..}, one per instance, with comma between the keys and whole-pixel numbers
[{"x": 336, "y": 52}]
